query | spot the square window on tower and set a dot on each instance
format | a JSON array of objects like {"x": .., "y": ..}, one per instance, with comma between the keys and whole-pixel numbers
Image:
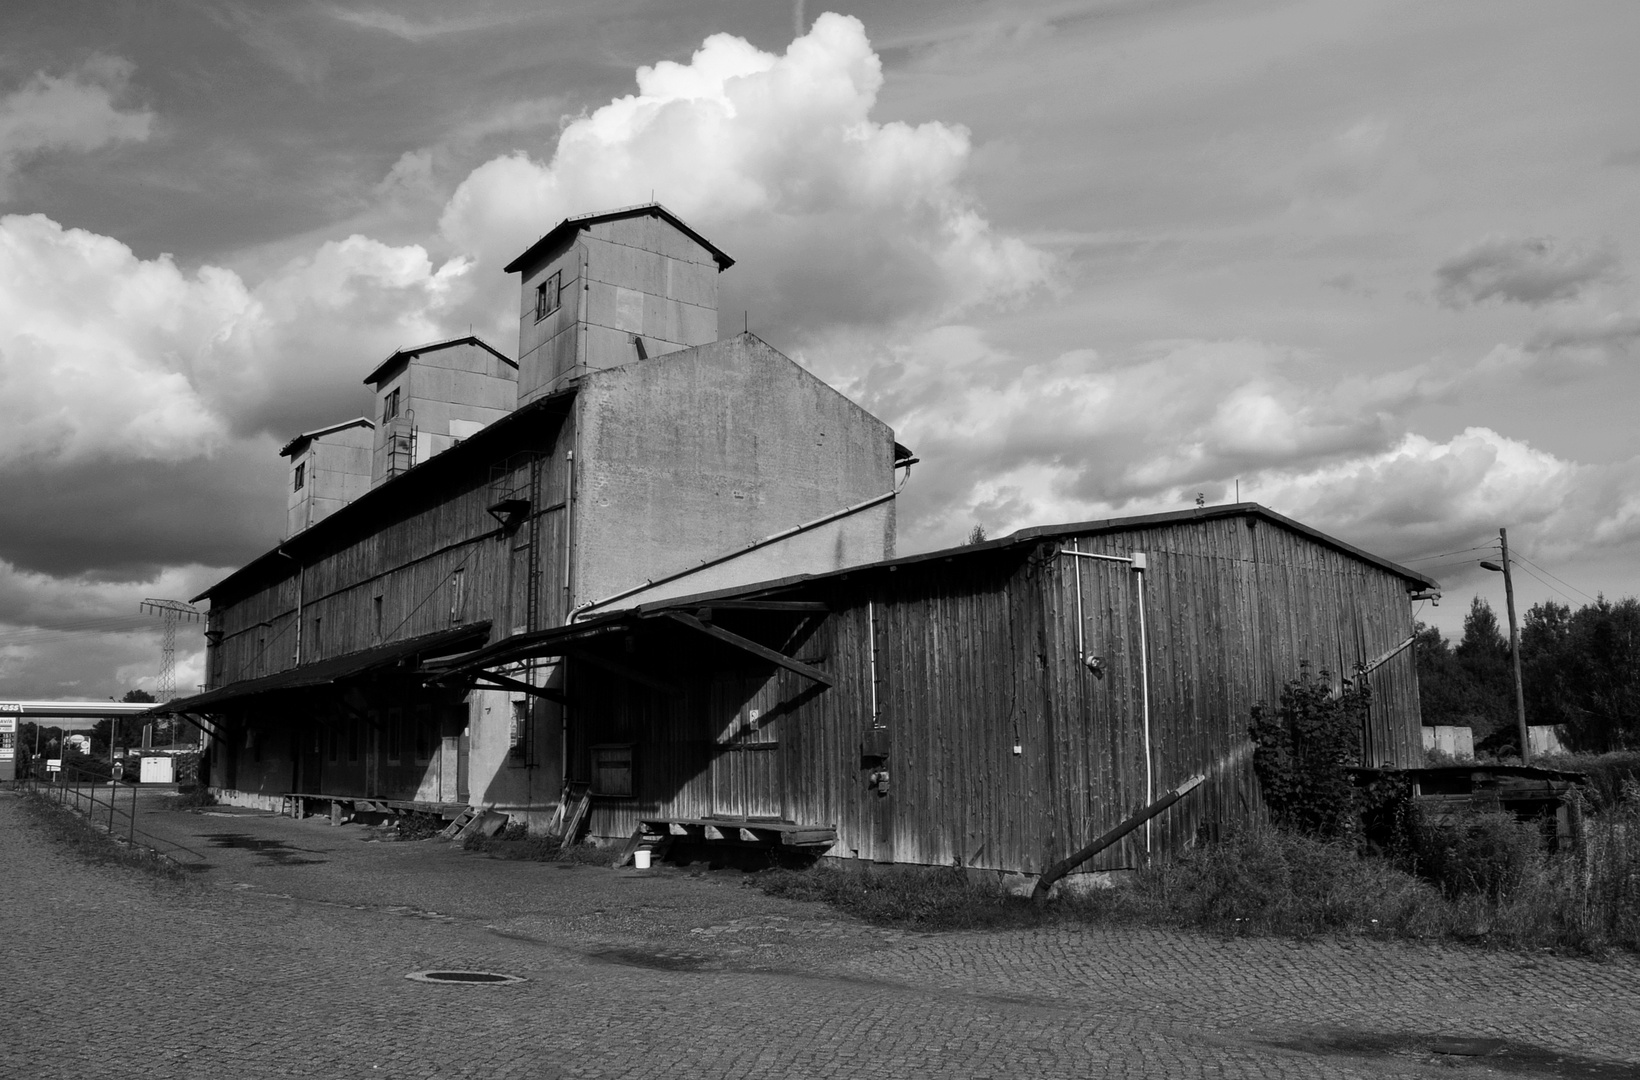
[
  {"x": 390, "y": 405},
  {"x": 301, "y": 476},
  {"x": 546, "y": 295}
]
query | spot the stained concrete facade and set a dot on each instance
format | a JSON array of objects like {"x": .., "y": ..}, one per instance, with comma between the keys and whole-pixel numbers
[
  {"x": 431, "y": 397},
  {"x": 737, "y": 443},
  {"x": 329, "y": 468},
  {"x": 605, "y": 290}
]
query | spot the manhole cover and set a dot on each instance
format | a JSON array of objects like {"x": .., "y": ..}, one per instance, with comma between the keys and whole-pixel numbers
[{"x": 468, "y": 978}]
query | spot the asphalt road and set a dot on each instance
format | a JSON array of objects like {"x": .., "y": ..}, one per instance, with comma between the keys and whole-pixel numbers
[{"x": 286, "y": 952}]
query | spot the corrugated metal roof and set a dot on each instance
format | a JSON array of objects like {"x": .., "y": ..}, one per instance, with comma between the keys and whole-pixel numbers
[
  {"x": 403, "y": 355},
  {"x": 335, "y": 669},
  {"x": 296, "y": 444},
  {"x": 1047, "y": 533},
  {"x": 574, "y": 224}
]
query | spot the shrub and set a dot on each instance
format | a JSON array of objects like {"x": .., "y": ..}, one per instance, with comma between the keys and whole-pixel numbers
[{"x": 1304, "y": 749}]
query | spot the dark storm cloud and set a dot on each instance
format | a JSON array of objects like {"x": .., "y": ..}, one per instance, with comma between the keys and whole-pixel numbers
[
  {"x": 1531, "y": 270},
  {"x": 123, "y": 520}
]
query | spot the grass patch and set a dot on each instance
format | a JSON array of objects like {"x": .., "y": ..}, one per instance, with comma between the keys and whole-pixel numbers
[
  {"x": 925, "y": 898},
  {"x": 1488, "y": 881},
  {"x": 69, "y": 830},
  {"x": 514, "y": 842}
]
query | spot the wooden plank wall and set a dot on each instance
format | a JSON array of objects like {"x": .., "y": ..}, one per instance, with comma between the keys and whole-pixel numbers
[
  {"x": 979, "y": 653},
  {"x": 410, "y": 561}
]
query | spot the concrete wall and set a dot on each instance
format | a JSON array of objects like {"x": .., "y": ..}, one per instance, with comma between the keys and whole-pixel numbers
[
  {"x": 336, "y": 471},
  {"x": 633, "y": 277},
  {"x": 862, "y": 537},
  {"x": 446, "y": 394},
  {"x": 698, "y": 453},
  {"x": 1457, "y": 743}
]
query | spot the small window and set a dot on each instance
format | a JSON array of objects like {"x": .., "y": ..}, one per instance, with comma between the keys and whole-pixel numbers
[
  {"x": 301, "y": 476},
  {"x": 390, "y": 405},
  {"x": 612, "y": 769},
  {"x": 317, "y": 648},
  {"x": 458, "y": 597},
  {"x": 546, "y": 295},
  {"x": 518, "y": 746},
  {"x": 376, "y": 604}
]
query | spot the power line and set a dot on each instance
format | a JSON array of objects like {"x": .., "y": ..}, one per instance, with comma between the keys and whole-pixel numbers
[
  {"x": 1528, "y": 572},
  {"x": 1563, "y": 581},
  {"x": 1444, "y": 554}
]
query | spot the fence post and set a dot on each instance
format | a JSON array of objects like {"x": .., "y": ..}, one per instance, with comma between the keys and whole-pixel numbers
[
  {"x": 132, "y": 837},
  {"x": 113, "y": 790}
]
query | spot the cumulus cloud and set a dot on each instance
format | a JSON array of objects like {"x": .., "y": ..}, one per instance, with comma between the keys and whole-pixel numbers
[
  {"x": 105, "y": 355},
  {"x": 778, "y": 160},
  {"x": 1531, "y": 270},
  {"x": 1012, "y": 442},
  {"x": 75, "y": 111}
]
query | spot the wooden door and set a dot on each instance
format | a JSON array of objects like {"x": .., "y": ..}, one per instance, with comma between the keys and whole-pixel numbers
[{"x": 747, "y": 779}]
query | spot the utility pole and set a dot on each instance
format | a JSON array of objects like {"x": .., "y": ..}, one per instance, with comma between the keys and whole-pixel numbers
[
  {"x": 1514, "y": 641},
  {"x": 1514, "y": 648}
]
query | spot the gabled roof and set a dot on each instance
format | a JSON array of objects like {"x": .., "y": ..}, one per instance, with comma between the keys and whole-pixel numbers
[
  {"x": 404, "y": 355},
  {"x": 1037, "y": 534},
  {"x": 296, "y": 445},
  {"x": 569, "y": 226}
]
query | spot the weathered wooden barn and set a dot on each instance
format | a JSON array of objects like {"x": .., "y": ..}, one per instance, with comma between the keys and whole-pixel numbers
[{"x": 990, "y": 706}]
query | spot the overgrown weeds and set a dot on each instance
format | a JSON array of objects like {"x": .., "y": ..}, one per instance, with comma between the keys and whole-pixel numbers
[
  {"x": 1487, "y": 881},
  {"x": 69, "y": 830},
  {"x": 515, "y": 842}
]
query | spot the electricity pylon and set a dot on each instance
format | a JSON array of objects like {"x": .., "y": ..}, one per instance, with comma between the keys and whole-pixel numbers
[{"x": 173, "y": 612}]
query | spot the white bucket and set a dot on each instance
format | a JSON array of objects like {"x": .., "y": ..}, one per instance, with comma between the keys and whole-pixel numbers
[{"x": 640, "y": 859}]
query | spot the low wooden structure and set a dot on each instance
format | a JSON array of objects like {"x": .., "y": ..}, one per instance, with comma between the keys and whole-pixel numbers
[{"x": 991, "y": 706}]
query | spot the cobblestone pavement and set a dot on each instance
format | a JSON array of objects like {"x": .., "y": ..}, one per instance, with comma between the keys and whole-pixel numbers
[{"x": 286, "y": 951}]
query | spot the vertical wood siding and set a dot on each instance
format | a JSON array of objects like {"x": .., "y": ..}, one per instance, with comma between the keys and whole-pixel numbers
[{"x": 978, "y": 653}]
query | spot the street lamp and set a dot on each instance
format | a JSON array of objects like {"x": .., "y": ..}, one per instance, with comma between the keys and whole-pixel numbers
[{"x": 1514, "y": 641}]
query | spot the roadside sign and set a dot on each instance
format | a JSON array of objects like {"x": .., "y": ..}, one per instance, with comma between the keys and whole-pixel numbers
[
  {"x": 54, "y": 764},
  {"x": 15, "y": 708}
]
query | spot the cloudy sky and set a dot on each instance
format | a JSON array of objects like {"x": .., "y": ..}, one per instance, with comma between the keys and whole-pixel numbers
[{"x": 1373, "y": 261}]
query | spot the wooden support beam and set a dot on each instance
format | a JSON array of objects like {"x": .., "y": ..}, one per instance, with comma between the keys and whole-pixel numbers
[
  {"x": 748, "y": 645},
  {"x": 487, "y": 679},
  {"x": 1065, "y": 866}
]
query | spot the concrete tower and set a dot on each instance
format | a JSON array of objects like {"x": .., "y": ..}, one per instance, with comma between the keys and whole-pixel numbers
[{"x": 603, "y": 290}]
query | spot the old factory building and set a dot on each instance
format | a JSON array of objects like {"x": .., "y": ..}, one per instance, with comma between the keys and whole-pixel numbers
[{"x": 642, "y": 583}]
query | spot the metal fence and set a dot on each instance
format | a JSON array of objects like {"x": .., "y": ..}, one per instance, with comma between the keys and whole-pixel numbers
[{"x": 108, "y": 805}]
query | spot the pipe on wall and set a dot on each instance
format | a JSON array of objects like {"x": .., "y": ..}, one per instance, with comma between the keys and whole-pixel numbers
[{"x": 1136, "y": 562}]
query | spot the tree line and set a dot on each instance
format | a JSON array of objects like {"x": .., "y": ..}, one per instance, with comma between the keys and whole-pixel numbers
[{"x": 1580, "y": 670}]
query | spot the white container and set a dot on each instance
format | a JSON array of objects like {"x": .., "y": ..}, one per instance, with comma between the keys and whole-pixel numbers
[
  {"x": 640, "y": 859},
  {"x": 158, "y": 770}
]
